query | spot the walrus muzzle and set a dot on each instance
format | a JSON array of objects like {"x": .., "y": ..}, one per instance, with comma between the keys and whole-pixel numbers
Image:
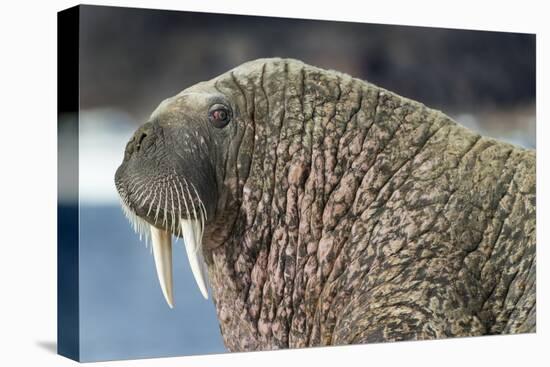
[{"x": 163, "y": 187}]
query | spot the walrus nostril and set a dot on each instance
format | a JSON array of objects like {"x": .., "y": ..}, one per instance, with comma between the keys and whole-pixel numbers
[{"x": 141, "y": 139}]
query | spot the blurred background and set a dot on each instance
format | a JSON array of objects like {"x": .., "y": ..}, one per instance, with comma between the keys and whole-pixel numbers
[{"x": 131, "y": 59}]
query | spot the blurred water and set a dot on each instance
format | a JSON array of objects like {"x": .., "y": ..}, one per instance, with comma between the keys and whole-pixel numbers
[{"x": 123, "y": 313}]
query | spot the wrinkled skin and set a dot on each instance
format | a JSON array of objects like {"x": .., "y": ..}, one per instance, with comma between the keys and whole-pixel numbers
[{"x": 340, "y": 213}]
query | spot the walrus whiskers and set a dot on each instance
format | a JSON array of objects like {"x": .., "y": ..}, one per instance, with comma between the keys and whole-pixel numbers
[
  {"x": 138, "y": 224},
  {"x": 141, "y": 190},
  {"x": 195, "y": 216},
  {"x": 165, "y": 218},
  {"x": 149, "y": 192},
  {"x": 152, "y": 201},
  {"x": 202, "y": 212},
  {"x": 179, "y": 205},
  {"x": 202, "y": 207},
  {"x": 158, "y": 206},
  {"x": 183, "y": 197},
  {"x": 135, "y": 183},
  {"x": 172, "y": 214}
]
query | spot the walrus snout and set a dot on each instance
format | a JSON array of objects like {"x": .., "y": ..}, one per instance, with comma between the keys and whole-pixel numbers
[
  {"x": 161, "y": 179},
  {"x": 167, "y": 188}
]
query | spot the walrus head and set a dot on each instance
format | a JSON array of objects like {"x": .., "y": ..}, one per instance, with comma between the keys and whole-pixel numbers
[{"x": 172, "y": 180}]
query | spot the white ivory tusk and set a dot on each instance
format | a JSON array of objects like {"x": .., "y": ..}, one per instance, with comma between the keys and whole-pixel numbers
[
  {"x": 192, "y": 237},
  {"x": 162, "y": 252}
]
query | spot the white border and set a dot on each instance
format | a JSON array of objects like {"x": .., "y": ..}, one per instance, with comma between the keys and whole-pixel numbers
[{"x": 28, "y": 180}]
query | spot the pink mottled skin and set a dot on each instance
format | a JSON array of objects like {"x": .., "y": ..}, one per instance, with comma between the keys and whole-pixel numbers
[{"x": 347, "y": 214}]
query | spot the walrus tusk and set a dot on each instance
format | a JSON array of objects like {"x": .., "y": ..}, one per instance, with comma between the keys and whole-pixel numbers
[
  {"x": 162, "y": 252},
  {"x": 192, "y": 235}
]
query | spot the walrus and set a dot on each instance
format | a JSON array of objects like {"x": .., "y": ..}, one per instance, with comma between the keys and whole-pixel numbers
[{"x": 325, "y": 210}]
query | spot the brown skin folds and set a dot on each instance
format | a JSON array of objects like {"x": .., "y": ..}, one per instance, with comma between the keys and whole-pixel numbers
[{"x": 349, "y": 214}]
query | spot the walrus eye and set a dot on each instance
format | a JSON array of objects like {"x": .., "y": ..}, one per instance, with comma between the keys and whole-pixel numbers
[{"x": 219, "y": 115}]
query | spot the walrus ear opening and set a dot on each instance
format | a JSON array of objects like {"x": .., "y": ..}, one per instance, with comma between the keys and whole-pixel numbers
[{"x": 220, "y": 115}]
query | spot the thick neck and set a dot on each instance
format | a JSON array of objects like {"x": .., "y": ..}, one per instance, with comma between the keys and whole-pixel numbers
[
  {"x": 324, "y": 148},
  {"x": 356, "y": 200}
]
